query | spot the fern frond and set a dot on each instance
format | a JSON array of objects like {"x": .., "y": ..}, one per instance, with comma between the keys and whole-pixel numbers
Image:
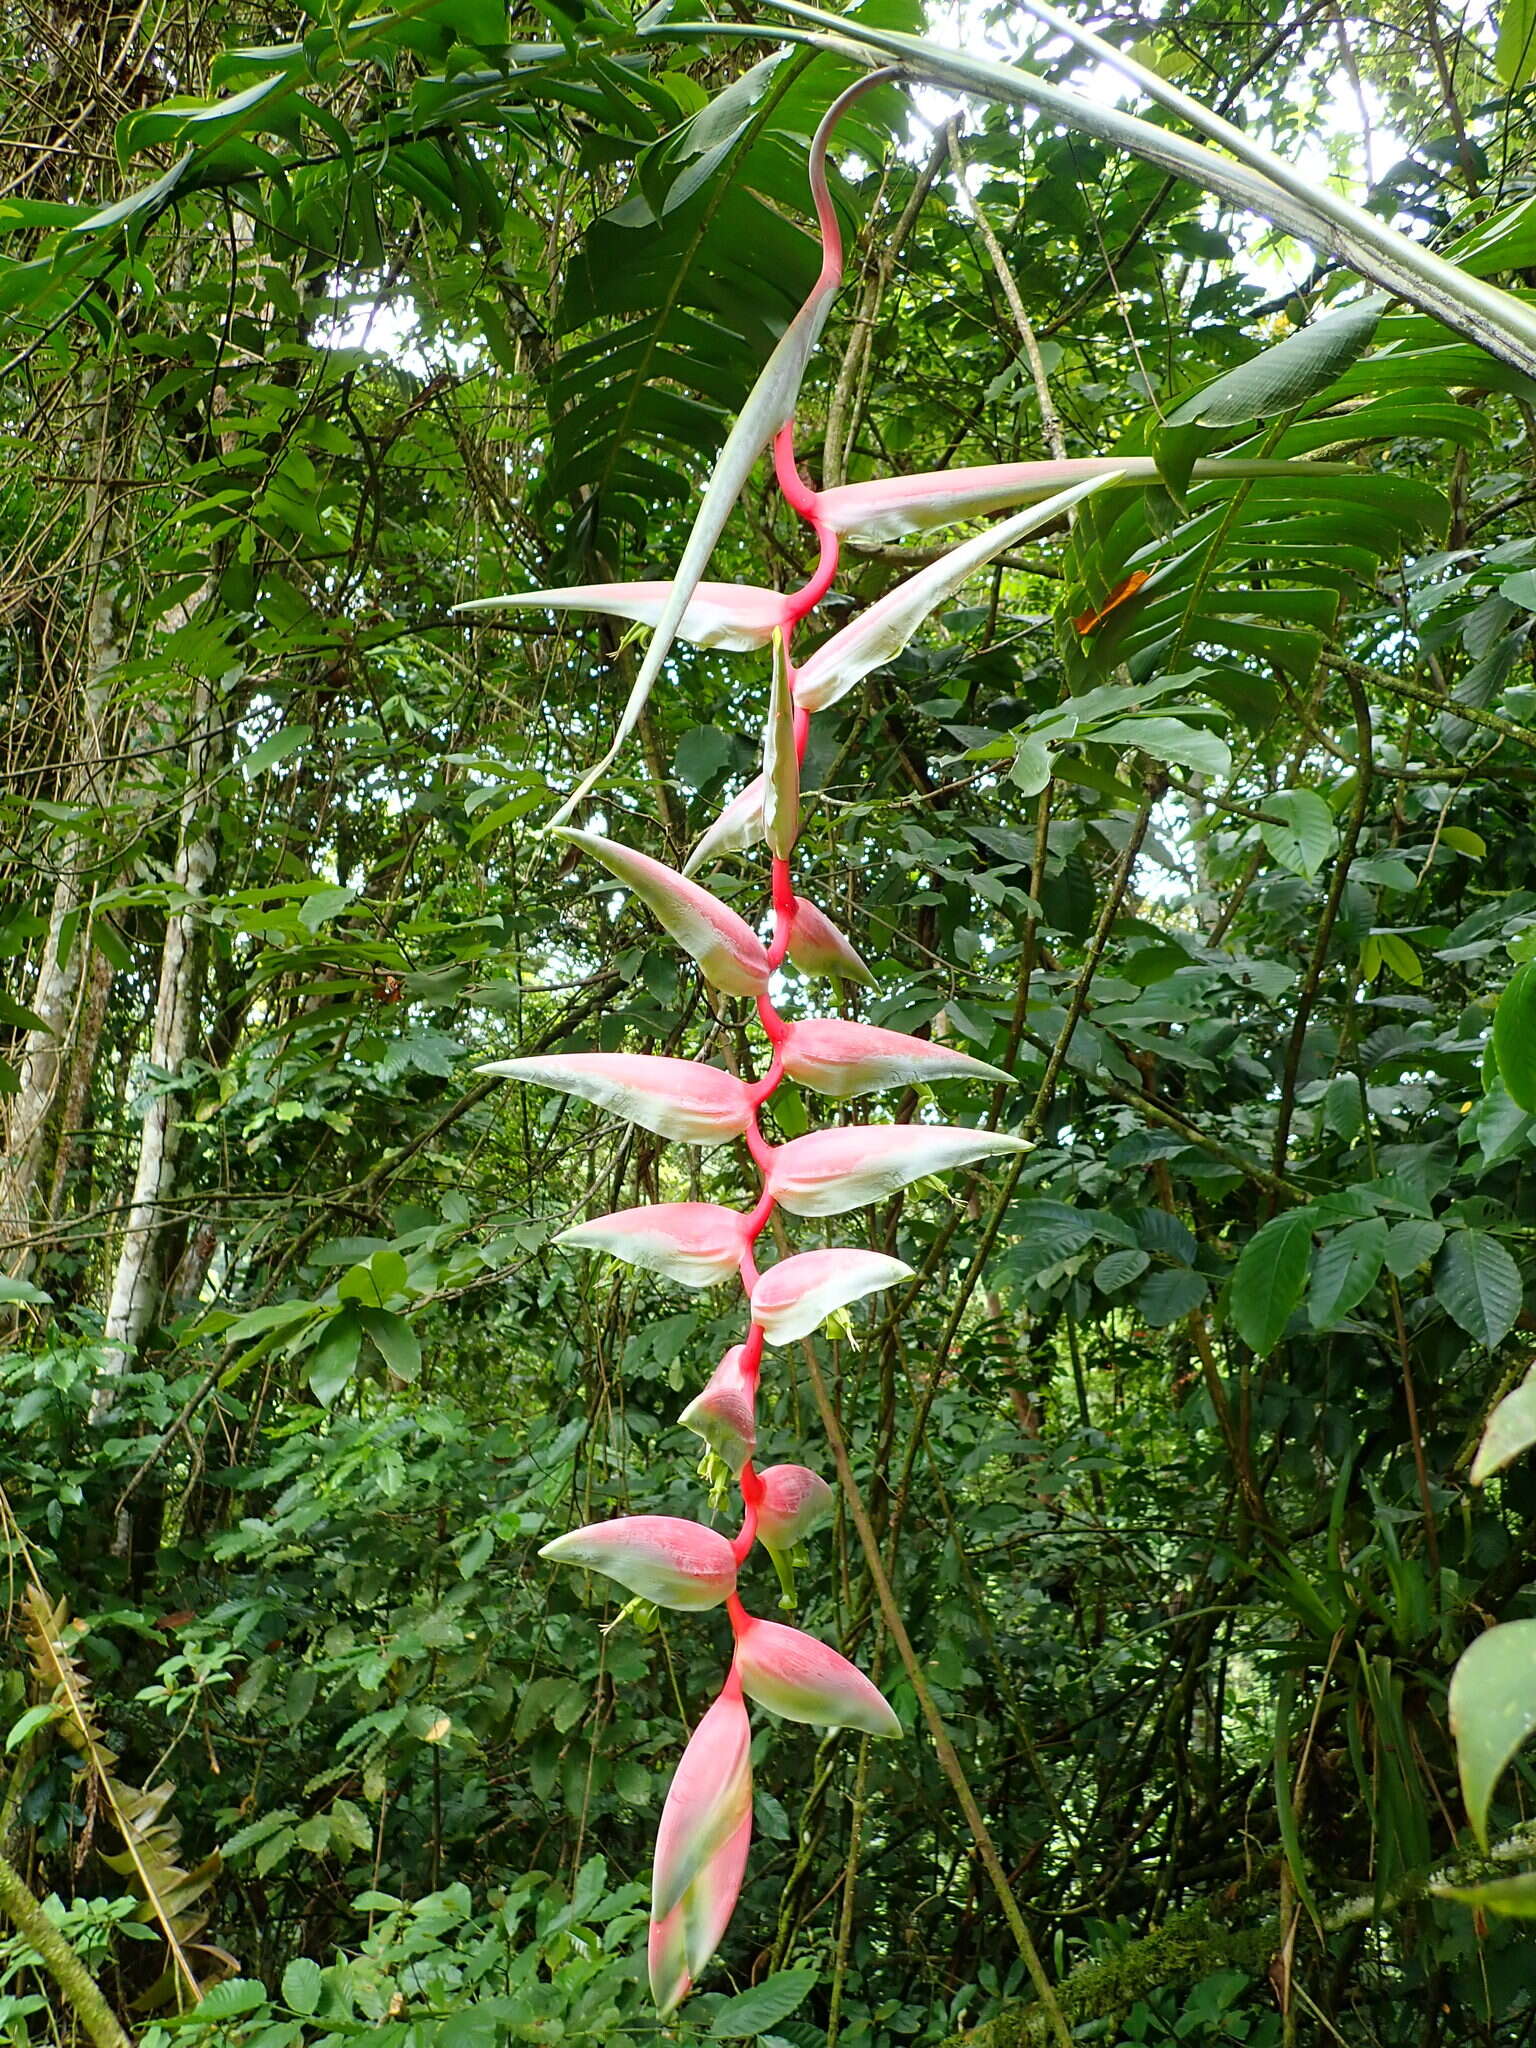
[{"x": 150, "y": 1857}]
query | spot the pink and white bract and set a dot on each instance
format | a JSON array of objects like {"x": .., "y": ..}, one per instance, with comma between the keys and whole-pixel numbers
[
  {"x": 738, "y": 826},
  {"x": 661, "y": 1557},
  {"x": 826, "y": 1173},
  {"x": 839, "y": 1058},
  {"x": 794, "y": 1501},
  {"x": 725, "y": 1412},
  {"x": 696, "y": 1243},
  {"x": 735, "y": 616},
  {"x": 816, "y": 946},
  {"x": 800, "y": 1679},
  {"x": 730, "y": 954},
  {"x": 701, "y": 1847},
  {"x": 682, "y": 1099},
  {"x": 891, "y": 507},
  {"x": 706, "y": 1823},
  {"x": 797, "y": 1295}
]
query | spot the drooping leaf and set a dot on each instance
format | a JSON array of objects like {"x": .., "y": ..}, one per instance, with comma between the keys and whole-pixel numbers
[
  {"x": 1514, "y": 56},
  {"x": 1477, "y": 1283},
  {"x": 1493, "y": 1710},
  {"x": 1305, "y": 834},
  {"x": 1509, "y": 1430},
  {"x": 1514, "y": 1036},
  {"x": 1344, "y": 1271},
  {"x": 1280, "y": 378},
  {"x": 1270, "y": 1279}
]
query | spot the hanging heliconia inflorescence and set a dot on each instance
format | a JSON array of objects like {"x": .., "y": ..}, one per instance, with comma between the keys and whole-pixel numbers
[{"x": 701, "y": 1844}]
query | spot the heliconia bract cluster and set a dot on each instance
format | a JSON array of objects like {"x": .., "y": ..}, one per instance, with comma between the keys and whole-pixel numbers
[{"x": 705, "y": 1829}]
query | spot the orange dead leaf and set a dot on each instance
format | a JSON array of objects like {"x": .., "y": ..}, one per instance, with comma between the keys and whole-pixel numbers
[{"x": 1086, "y": 621}]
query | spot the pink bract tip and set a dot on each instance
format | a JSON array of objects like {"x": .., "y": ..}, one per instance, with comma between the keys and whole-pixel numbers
[
  {"x": 798, "y": 1294},
  {"x": 682, "y": 1099},
  {"x": 794, "y": 1501},
  {"x": 839, "y": 1058},
  {"x": 801, "y": 1679},
  {"x": 724, "y": 1412},
  {"x": 695, "y": 1243},
  {"x": 817, "y": 946},
  {"x": 660, "y": 1557}
]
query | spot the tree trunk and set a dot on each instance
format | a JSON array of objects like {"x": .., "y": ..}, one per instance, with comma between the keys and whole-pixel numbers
[
  {"x": 75, "y": 1099},
  {"x": 136, "y": 1282},
  {"x": 57, "y": 987}
]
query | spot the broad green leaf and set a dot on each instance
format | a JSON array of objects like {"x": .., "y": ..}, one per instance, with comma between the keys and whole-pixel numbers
[
  {"x": 1511, "y": 1898},
  {"x": 754, "y": 2012},
  {"x": 1462, "y": 840},
  {"x": 1286, "y": 375},
  {"x": 334, "y": 1357},
  {"x": 1172, "y": 739},
  {"x": 1514, "y": 56},
  {"x": 276, "y": 747},
  {"x": 228, "y": 2000},
  {"x": 1344, "y": 1271},
  {"x": 1396, "y": 953},
  {"x": 1477, "y": 1283},
  {"x": 203, "y": 122},
  {"x": 1270, "y": 1279},
  {"x": 1411, "y": 1244},
  {"x": 395, "y": 1341},
  {"x": 1343, "y": 1109},
  {"x": 274, "y": 1315},
  {"x": 17, "y": 1016},
  {"x": 701, "y": 755},
  {"x": 1509, "y": 1430},
  {"x": 1514, "y": 1036},
  {"x": 21, "y": 1291},
  {"x": 1031, "y": 769},
  {"x": 1304, "y": 836},
  {"x": 302, "y": 1985},
  {"x": 321, "y": 905},
  {"x": 1169, "y": 1296},
  {"x": 1118, "y": 1269},
  {"x": 29, "y": 1723},
  {"x": 1493, "y": 1710}
]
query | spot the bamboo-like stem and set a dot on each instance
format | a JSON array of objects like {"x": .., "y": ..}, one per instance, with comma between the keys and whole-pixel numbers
[
  {"x": 1314, "y": 974},
  {"x": 1436, "y": 700},
  {"x": 944, "y": 1748},
  {"x": 845, "y": 405},
  {"x": 25, "y": 1911},
  {"x": 850, "y": 1893},
  {"x": 1050, "y": 419}
]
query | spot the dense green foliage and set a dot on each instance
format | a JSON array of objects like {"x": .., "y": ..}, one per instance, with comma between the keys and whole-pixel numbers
[{"x": 1168, "y": 1455}]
